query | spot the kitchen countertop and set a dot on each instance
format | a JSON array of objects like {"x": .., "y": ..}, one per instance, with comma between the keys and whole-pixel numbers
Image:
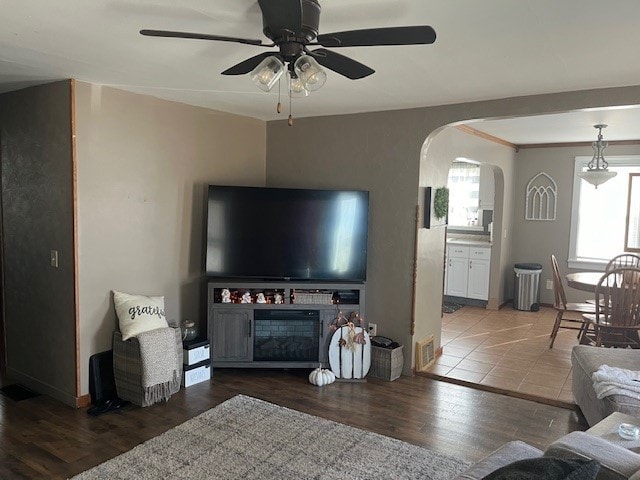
[{"x": 480, "y": 242}]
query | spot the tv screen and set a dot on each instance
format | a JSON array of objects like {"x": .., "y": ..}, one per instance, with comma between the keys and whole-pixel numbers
[{"x": 286, "y": 234}]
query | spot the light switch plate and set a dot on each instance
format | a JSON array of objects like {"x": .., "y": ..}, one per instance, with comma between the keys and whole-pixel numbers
[{"x": 54, "y": 258}]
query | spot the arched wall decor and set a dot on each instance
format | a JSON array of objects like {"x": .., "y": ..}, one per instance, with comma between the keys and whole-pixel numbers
[{"x": 541, "y": 198}]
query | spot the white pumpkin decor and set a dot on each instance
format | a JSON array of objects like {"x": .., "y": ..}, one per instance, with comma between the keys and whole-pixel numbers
[{"x": 320, "y": 377}]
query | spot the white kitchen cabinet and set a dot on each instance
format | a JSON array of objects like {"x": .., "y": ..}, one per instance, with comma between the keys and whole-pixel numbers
[
  {"x": 479, "y": 270},
  {"x": 457, "y": 271},
  {"x": 468, "y": 269}
]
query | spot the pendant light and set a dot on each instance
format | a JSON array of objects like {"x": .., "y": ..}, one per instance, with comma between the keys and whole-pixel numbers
[{"x": 597, "y": 170}]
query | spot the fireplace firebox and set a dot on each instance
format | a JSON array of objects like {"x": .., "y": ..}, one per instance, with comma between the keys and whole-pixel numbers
[{"x": 286, "y": 335}]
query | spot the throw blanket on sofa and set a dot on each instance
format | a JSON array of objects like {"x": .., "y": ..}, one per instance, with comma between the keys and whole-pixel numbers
[
  {"x": 160, "y": 364},
  {"x": 616, "y": 381}
]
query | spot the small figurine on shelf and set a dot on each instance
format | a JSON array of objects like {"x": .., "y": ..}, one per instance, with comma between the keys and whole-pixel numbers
[
  {"x": 226, "y": 295},
  {"x": 246, "y": 297},
  {"x": 260, "y": 298},
  {"x": 278, "y": 299}
]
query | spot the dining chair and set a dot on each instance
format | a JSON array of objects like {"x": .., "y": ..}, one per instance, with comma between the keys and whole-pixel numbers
[
  {"x": 623, "y": 260},
  {"x": 575, "y": 322},
  {"x": 619, "y": 261},
  {"x": 616, "y": 321}
]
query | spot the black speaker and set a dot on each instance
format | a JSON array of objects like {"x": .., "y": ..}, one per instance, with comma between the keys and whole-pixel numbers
[{"x": 102, "y": 384}]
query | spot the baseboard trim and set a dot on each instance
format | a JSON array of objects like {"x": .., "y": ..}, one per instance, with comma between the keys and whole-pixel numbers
[{"x": 83, "y": 401}]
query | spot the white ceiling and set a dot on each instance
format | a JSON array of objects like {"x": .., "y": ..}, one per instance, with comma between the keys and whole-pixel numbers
[{"x": 484, "y": 50}]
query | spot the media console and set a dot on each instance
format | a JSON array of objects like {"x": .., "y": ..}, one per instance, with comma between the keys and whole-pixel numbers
[{"x": 291, "y": 334}]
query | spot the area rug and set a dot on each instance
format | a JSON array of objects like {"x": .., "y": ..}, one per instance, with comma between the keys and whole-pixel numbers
[
  {"x": 246, "y": 438},
  {"x": 450, "y": 307}
]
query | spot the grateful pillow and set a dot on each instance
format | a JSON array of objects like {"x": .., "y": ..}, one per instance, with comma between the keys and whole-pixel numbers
[
  {"x": 138, "y": 313},
  {"x": 547, "y": 468}
]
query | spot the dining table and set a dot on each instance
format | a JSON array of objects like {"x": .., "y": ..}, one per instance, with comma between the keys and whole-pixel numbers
[{"x": 585, "y": 281}]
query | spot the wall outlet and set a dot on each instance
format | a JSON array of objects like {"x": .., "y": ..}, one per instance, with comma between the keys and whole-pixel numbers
[
  {"x": 549, "y": 284},
  {"x": 373, "y": 329}
]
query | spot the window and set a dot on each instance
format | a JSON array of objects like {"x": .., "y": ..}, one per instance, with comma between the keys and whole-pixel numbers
[
  {"x": 632, "y": 235},
  {"x": 464, "y": 194},
  {"x": 598, "y": 216}
]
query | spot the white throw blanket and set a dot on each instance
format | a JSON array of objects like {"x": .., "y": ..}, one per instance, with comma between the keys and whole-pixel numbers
[
  {"x": 160, "y": 361},
  {"x": 616, "y": 381}
]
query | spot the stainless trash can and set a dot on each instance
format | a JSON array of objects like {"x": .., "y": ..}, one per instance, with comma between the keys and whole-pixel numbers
[{"x": 526, "y": 291}]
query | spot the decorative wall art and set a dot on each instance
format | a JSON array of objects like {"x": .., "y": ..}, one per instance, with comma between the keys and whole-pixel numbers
[
  {"x": 541, "y": 198},
  {"x": 436, "y": 207}
]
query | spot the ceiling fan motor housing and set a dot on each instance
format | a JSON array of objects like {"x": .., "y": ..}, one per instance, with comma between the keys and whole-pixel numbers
[{"x": 304, "y": 30}]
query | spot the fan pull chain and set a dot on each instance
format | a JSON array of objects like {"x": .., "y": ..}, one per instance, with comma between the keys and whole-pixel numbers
[
  {"x": 290, "y": 120},
  {"x": 279, "y": 106}
]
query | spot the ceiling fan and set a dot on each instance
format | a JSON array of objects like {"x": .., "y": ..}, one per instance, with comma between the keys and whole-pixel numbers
[{"x": 292, "y": 25}]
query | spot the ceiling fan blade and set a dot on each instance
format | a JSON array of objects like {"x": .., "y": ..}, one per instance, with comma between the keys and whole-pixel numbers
[
  {"x": 249, "y": 64},
  {"x": 370, "y": 37},
  {"x": 201, "y": 36},
  {"x": 340, "y": 64}
]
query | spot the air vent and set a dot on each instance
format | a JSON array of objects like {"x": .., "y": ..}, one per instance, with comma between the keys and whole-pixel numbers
[{"x": 425, "y": 354}]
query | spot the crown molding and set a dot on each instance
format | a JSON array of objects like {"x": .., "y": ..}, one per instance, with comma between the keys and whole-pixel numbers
[{"x": 494, "y": 139}]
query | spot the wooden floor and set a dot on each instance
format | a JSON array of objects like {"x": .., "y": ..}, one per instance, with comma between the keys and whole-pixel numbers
[{"x": 41, "y": 438}]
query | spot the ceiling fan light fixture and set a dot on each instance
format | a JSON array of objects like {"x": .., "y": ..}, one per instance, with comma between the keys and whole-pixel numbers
[
  {"x": 297, "y": 88},
  {"x": 309, "y": 72},
  {"x": 597, "y": 170},
  {"x": 267, "y": 73}
]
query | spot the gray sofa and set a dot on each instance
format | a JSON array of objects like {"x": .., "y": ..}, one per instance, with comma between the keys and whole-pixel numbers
[
  {"x": 585, "y": 360},
  {"x": 617, "y": 463}
]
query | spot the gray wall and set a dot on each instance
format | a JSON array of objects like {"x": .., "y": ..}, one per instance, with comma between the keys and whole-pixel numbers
[
  {"x": 37, "y": 202},
  {"x": 143, "y": 165},
  {"x": 374, "y": 152},
  {"x": 381, "y": 152},
  {"x": 535, "y": 241}
]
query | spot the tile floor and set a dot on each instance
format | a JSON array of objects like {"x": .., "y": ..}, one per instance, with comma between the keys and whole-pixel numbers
[{"x": 509, "y": 350}]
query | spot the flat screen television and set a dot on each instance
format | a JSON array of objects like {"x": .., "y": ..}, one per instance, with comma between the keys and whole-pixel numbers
[{"x": 286, "y": 234}]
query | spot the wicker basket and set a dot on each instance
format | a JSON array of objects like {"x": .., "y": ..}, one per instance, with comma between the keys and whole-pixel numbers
[
  {"x": 386, "y": 363},
  {"x": 304, "y": 298}
]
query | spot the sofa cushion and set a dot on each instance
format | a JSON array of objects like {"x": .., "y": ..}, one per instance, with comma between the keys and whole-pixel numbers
[
  {"x": 587, "y": 359},
  {"x": 617, "y": 462},
  {"x": 507, "y": 453},
  {"x": 547, "y": 468}
]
